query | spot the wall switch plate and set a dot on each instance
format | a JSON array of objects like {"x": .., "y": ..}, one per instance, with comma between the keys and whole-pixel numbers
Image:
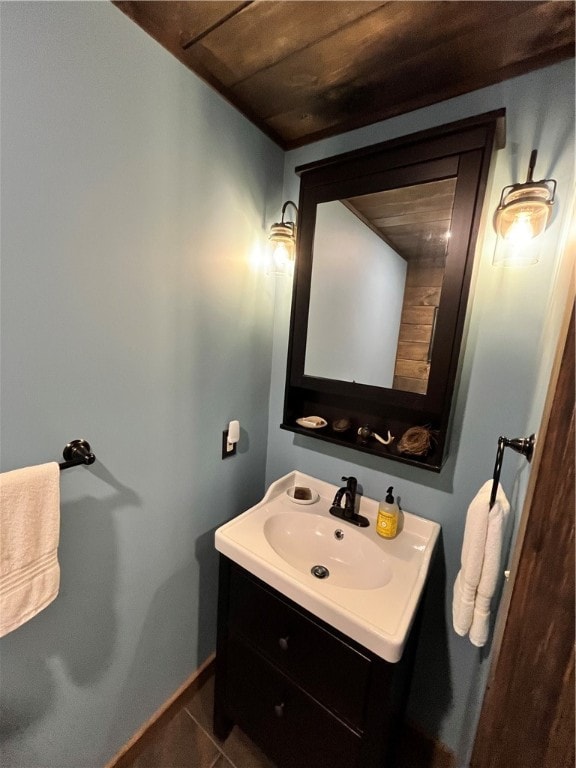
[{"x": 225, "y": 452}]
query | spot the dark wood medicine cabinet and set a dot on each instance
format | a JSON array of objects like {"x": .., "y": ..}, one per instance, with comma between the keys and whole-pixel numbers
[{"x": 405, "y": 214}]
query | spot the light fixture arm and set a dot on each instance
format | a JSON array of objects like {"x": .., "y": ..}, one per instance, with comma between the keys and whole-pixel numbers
[
  {"x": 286, "y": 204},
  {"x": 531, "y": 166},
  {"x": 550, "y": 183}
]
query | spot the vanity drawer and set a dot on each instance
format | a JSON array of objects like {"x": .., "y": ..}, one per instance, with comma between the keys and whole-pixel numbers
[
  {"x": 335, "y": 673},
  {"x": 293, "y": 729}
]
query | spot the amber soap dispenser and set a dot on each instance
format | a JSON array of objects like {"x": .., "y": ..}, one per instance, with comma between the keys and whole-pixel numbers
[{"x": 388, "y": 514}]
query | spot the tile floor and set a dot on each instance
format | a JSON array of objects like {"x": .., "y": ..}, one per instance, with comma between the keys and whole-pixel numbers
[
  {"x": 184, "y": 739},
  {"x": 187, "y": 741}
]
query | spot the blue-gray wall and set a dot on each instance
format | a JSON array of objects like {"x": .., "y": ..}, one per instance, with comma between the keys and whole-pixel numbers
[
  {"x": 506, "y": 365},
  {"x": 134, "y": 314}
]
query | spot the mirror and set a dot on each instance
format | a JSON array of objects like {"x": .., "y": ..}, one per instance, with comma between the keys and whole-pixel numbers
[
  {"x": 385, "y": 249},
  {"x": 377, "y": 271}
]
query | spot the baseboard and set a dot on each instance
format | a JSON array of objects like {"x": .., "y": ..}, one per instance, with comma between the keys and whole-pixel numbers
[
  {"x": 146, "y": 733},
  {"x": 419, "y": 750}
]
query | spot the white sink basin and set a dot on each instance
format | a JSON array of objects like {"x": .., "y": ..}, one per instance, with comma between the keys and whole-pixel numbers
[
  {"x": 308, "y": 540},
  {"x": 372, "y": 586}
]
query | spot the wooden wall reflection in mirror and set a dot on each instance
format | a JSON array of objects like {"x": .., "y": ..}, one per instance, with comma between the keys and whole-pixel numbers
[{"x": 385, "y": 248}]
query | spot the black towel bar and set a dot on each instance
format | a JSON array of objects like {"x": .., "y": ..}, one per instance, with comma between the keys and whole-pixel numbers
[
  {"x": 77, "y": 452},
  {"x": 523, "y": 445}
]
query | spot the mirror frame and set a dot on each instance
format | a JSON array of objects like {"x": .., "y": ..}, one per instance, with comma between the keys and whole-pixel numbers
[{"x": 463, "y": 149}]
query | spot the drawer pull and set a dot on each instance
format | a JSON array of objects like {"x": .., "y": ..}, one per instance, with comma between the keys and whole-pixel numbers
[
  {"x": 279, "y": 710},
  {"x": 283, "y": 643}
]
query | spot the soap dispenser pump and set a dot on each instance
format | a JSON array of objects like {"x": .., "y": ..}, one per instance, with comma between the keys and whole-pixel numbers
[{"x": 388, "y": 513}]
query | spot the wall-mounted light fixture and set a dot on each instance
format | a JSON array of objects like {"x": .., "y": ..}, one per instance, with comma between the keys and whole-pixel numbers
[
  {"x": 523, "y": 213},
  {"x": 283, "y": 239}
]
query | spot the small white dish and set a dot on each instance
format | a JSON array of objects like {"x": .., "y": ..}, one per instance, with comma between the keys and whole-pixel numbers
[
  {"x": 302, "y": 494},
  {"x": 312, "y": 422}
]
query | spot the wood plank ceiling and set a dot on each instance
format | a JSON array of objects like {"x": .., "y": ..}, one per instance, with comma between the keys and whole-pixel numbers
[
  {"x": 304, "y": 70},
  {"x": 414, "y": 221}
]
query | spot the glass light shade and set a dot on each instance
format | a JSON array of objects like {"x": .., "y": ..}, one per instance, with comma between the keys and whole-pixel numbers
[
  {"x": 508, "y": 253},
  {"x": 524, "y": 214},
  {"x": 282, "y": 239}
]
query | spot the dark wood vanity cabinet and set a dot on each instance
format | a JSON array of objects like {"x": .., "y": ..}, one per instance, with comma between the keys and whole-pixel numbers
[{"x": 302, "y": 691}]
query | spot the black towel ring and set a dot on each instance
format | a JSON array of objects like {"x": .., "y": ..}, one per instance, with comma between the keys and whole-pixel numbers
[{"x": 523, "y": 445}]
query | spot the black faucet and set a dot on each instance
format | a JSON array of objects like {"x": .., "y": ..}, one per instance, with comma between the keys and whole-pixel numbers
[{"x": 348, "y": 511}]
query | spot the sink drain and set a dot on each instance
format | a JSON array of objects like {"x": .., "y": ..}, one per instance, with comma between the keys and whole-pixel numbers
[{"x": 320, "y": 571}]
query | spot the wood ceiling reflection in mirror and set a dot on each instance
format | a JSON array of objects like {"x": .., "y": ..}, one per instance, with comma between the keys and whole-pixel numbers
[{"x": 415, "y": 221}]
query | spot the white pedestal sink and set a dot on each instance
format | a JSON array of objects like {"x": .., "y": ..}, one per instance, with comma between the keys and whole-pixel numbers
[{"x": 367, "y": 587}]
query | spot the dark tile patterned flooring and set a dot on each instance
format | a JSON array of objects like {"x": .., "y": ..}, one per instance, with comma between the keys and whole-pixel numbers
[
  {"x": 184, "y": 739},
  {"x": 187, "y": 741}
]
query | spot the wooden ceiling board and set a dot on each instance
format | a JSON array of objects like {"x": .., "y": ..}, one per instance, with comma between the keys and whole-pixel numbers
[
  {"x": 279, "y": 29},
  {"x": 302, "y": 71},
  {"x": 432, "y": 196},
  {"x": 413, "y": 220},
  {"x": 428, "y": 231},
  {"x": 386, "y": 38},
  {"x": 413, "y": 248},
  {"x": 378, "y": 53},
  {"x": 385, "y": 87},
  {"x": 347, "y": 58},
  {"x": 176, "y": 24},
  {"x": 417, "y": 218}
]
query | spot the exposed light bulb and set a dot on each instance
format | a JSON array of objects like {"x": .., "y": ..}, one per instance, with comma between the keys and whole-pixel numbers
[
  {"x": 282, "y": 259},
  {"x": 521, "y": 230},
  {"x": 281, "y": 255}
]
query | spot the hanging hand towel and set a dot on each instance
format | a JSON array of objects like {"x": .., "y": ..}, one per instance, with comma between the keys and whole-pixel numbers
[
  {"x": 30, "y": 531},
  {"x": 497, "y": 519},
  {"x": 481, "y": 553}
]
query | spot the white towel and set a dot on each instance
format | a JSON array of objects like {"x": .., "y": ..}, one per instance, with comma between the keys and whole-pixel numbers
[
  {"x": 29, "y": 535},
  {"x": 481, "y": 556}
]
